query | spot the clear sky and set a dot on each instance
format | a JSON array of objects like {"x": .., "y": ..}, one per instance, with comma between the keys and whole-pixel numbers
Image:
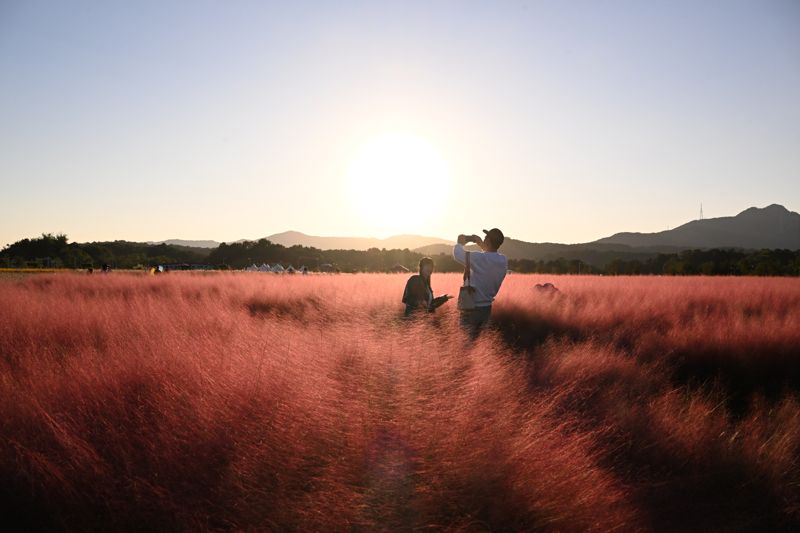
[{"x": 556, "y": 121}]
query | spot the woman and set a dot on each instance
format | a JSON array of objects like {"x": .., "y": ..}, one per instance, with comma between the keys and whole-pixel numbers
[{"x": 418, "y": 294}]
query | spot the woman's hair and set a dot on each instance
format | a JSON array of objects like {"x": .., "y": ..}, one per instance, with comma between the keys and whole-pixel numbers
[{"x": 425, "y": 261}]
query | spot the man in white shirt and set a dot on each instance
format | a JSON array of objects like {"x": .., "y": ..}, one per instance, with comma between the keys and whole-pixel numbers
[{"x": 487, "y": 271}]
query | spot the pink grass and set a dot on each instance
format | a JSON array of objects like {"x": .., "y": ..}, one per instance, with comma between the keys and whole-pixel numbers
[{"x": 265, "y": 402}]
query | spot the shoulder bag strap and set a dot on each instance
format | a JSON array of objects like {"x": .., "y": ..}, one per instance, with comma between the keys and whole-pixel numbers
[{"x": 466, "y": 270}]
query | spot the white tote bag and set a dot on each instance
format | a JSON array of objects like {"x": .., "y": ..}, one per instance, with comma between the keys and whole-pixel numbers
[{"x": 466, "y": 295}]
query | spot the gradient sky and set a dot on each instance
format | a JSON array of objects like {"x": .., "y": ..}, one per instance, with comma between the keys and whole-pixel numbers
[{"x": 558, "y": 121}]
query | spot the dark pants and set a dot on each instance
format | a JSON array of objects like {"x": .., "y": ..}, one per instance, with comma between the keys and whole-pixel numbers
[{"x": 475, "y": 319}]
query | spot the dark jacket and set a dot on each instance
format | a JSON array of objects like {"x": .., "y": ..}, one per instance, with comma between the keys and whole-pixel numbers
[{"x": 418, "y": 294}]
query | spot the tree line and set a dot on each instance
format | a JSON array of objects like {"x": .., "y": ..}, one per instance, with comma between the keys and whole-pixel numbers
[{"x": 55, "y": 251}]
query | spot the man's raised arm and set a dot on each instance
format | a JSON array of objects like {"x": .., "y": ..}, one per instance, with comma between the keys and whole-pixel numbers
[{"x": 459, "y": 254}]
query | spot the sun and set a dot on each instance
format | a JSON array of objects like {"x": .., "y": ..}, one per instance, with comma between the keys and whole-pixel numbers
[{"x": 398, "y": 183}]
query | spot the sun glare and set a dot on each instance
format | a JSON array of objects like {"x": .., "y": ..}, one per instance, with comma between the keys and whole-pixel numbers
[{"x": 398, "y": 183}]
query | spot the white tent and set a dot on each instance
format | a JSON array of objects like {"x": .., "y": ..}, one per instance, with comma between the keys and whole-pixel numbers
[
  {"x": 290, "y": 270},
  {"x": 251, "y": 268},
  {"x": 264, "y": 268},
  {"x": 277, "y": 268}
]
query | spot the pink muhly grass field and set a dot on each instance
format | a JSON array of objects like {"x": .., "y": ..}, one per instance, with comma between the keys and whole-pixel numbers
[{"x": 278, "y": 402}]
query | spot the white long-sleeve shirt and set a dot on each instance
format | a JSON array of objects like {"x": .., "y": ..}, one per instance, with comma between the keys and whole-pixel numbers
[{"x": 487, "y": 271}]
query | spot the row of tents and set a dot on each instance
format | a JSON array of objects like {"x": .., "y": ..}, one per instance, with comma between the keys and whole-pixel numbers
[{"x": 277, "y": 268}]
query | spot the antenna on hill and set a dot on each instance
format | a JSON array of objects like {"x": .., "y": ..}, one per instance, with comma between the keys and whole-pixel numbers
[{"x": 701, "y": 210}]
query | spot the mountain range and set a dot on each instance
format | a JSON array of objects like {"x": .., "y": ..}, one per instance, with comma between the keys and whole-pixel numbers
[
  {"x": 773, "y": 227},
  {"x": 401, "y": 242},
  {"x": 294, "y": 238}
]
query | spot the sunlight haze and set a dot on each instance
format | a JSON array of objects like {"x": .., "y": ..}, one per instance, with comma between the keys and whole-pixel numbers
[{"x": 555, "y": 121}]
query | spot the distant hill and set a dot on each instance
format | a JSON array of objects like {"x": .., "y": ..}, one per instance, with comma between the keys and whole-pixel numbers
[
  {"x": 292, "y": 238},
  {"x": 189, "y": 244},
  {"x": 773, "y": 227}
]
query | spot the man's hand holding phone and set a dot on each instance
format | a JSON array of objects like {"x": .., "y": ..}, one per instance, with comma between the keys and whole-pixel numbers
[{"x": 465, "y": 239}]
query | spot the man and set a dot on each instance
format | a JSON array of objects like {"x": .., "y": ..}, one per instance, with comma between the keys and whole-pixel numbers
[{"x": 487, "y": 271}]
